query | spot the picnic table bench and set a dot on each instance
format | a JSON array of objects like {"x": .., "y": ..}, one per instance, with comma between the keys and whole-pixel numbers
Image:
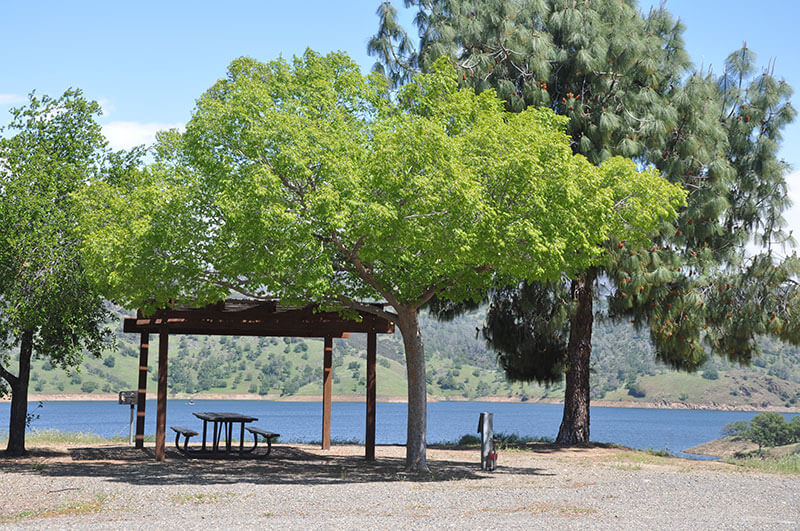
[
  {"x": 222, "y": 421},
  {"x": 267, "y": 435},
  {"x": 187, "y": 433}
]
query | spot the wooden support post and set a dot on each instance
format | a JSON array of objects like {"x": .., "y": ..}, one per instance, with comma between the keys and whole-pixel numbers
[
  {"x": 141, "y": 398},
  {"x": 161, "y": 409},
  {"x": 371, "y": 396},
  {"x": 327, "y": 370}
]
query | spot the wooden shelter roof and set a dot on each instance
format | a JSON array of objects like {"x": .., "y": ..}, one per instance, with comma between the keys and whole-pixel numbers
[{"x": 247, "y": 317}]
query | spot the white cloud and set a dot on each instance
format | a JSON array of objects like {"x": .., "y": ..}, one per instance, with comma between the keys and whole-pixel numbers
[
  {"x": 105, "y": 106},
  {"x": 11, "y": 99},
  {"x": 125, "y": 135}
]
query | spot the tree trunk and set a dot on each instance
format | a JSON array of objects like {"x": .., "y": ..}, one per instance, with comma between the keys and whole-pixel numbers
[
  {"x": 19, "y": 398},
  {"x": 575, "y": 423},
  {"x": 416, "y": 438}
]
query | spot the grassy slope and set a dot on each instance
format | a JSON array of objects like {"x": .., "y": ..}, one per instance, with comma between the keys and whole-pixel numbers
[{"x": 459, "y": 366}]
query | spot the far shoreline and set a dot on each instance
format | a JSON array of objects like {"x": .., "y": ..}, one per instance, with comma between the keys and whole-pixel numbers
[{"x": 660, "y": 404}]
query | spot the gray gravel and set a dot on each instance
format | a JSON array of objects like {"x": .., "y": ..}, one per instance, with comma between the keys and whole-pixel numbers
[{"x": 301, "y": 487}]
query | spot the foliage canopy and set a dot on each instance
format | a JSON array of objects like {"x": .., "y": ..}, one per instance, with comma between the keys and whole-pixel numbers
[
  {"x": 308, "y": 181},
  {"x": 47, "y": 306}
]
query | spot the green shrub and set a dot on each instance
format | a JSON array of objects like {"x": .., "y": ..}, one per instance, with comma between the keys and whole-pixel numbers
[
  {"x": 636, "y": 390},
  {"x": 769, "y": 429},
  {"x": 469, "y": 440},
  {"x": 710, "y": 373},
  {"x": 794, "y": 428},
  {"x": 661, "y": 452}
]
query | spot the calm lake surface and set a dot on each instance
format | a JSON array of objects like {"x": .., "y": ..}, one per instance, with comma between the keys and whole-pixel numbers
[{"x": 674, "y": 430}]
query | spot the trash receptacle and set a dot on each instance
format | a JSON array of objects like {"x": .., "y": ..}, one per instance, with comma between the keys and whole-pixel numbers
[{"x": 488, "y": 453}]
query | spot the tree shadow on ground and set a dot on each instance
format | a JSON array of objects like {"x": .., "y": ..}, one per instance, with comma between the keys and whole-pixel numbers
[
  {"x": 286, "y": 465},
  {"x": 537, "y": 447}
]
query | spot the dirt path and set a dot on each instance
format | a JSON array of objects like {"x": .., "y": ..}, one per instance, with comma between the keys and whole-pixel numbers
[{"x": 302, "y": 487}]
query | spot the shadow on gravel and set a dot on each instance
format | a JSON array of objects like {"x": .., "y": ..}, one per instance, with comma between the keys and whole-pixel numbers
[
  {"x": 538, "y": 447},
  {"x": 284, "y": 466}
]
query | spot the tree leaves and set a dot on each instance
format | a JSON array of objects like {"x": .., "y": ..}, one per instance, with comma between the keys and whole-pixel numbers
[
  {"x": 53, "y": 148},
  {"x": 307, "y": 181}
]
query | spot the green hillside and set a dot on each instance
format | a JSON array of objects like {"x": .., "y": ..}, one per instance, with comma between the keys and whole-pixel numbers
[{"x": 459, "y": 367}]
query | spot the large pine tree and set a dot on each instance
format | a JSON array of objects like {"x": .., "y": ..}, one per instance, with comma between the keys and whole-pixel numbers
[{"x": 626, "y": 82}]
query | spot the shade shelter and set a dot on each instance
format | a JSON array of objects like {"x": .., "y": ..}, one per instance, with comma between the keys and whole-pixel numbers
[{"x": 243, "y": 317}]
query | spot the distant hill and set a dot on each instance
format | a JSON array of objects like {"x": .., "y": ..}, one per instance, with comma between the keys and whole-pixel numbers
[{"x": 459, "y": 367}]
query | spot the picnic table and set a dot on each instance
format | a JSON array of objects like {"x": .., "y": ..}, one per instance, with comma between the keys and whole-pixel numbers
[{"x": 223, "y": 420}]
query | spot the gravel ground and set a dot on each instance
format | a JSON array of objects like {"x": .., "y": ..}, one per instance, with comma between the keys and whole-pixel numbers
[{"x": 302, "y": 487}]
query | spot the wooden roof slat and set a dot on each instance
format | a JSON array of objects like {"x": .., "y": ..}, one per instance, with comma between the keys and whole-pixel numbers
[{"x": 243, "y": 317}]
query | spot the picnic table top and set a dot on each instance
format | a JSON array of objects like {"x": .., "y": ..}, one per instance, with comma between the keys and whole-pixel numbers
[{"x": 215, "y": 416}]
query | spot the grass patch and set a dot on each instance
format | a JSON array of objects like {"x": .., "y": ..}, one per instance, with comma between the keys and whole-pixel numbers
[
  {"x": 45, "y": 436},
  {"x": 503, "y": 441},
  {"x": 75, "y": 508},
  {"x": 787, "y": 464},
  {"x": 53, "y": 436},
  {"x": 628, "y": 466},
  {"x": 661, "y": 452},
  {"x": 334, "y": 442},
  {"x": 200, "y": 498},
  {"x": 643, "y": 457}
]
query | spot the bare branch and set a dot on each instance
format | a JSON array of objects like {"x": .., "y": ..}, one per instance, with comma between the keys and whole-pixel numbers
[
  {"x": 208, "y": 276},
  {"x": 367, "y": 308},
  {"x": 363, "y": 273}
]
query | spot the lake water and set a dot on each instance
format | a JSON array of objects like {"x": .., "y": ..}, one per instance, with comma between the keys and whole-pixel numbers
[{"x": 674, "y": 430}]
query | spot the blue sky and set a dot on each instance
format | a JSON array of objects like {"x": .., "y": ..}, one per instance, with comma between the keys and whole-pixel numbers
[{"x": 146, "y": 62}]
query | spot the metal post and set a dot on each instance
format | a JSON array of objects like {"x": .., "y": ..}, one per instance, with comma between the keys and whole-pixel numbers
[
  {"x": 130, "y": 432},
  {"x": 487, "y": 440},
  {"x": 141, "y": 401},
  {"x": 327, "y": 370},
  {"x": 369, "y": 438}
]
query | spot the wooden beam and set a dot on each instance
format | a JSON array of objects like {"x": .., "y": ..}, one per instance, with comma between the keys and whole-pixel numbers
[
  {"x": 141, "y": 398},
  {"x": 369, "y": 438},
  {"x": 161, "y": 415},
  {"x": 243, "y": 318},
  {"x": 327, "y": 370}
]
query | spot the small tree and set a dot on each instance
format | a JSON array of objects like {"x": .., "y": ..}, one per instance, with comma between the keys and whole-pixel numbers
[
  {"x": 736, "y": 429},
  {"x": 794, "y": 428},
  {"x": 47, "y": 307},
  {"x": 769, "y": 429},
  {"x": 310, "y": 182}
]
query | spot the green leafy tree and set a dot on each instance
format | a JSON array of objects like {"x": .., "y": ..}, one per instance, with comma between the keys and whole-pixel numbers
[
  {"x": 794, "y": 428},
  {"x": 309, "y": 182},
  {"x": 47, "y": 307},
  {"x": 769, "y": 429},
  {"x": 625, "y": 83}
]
